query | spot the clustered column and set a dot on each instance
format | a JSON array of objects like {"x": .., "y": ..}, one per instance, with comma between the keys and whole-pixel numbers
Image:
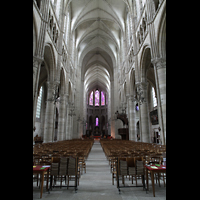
[
  {"x": 50, "y": 110},
  {"x": 132, "y": 114},
  {"x": 61, "y": 120},
  {"x": 160, "y": 67},
  {"x": 144, "y": 113}
]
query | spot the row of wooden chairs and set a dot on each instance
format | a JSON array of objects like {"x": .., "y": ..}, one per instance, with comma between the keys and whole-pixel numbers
[
  {"x": 48, "y": 153},
  {"x": 132, "y": 152}
]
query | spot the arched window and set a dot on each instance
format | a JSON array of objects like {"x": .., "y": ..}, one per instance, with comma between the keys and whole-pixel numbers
[
  {"x": 97, "y": 121},
  {"x": 154, "y": 97},
  {"x": 102, "y": 99},
  {"x": 91, "y": 99},
  {"x": 39, "y": 100},
  {"x": 97, "y": 98}
]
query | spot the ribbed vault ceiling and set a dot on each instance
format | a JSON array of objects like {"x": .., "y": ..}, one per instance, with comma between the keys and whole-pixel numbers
[{"x": 98, "y": 25}]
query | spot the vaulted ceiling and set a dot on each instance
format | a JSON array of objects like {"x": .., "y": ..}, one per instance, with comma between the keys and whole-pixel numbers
[{"x": 98, "y": 25}]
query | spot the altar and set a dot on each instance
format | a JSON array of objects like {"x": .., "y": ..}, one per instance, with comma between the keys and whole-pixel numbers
[{"x": 96, "y": 131}]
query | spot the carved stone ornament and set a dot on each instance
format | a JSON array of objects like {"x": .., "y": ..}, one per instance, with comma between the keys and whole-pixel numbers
[
  {"x": 159, "y": 63},
  {"x": 37, "y": 61},
  {"x": 139, "y": 93}
]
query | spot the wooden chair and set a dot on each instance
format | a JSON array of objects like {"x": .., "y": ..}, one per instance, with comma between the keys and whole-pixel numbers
[
  {"x": 81, "y": 162},
  {"x": 131, "y": 168},
  {"x": 122, "y": 168},
  {"x": 54, "y": 169},
  {"x": 114, "y": 168},
  {"x": 137, "y": 158}
]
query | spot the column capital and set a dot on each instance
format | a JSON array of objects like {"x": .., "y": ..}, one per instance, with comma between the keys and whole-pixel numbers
[
  {"x": 159, "y": 63},
  {"x": 141, "y": 85},
  {"x": 36, "y": 61},
  {"x": 141, "y": 92}
]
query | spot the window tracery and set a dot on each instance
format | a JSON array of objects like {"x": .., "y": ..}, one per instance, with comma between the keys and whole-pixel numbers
[
  {"x": 91, "y": 99},
  {"x": 97, "y": 98}
]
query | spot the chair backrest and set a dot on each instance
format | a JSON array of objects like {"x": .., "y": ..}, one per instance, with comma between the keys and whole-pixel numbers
[
  {"x": 55, "y": 160},
  {"x": 122, "y": 166},
  {"x": 72, "y": 166},
  {"x": 63, "y": 166},
  {"x": 156, "y": 160},
  {"x": 140, "y": 167},
  {"x": 130, "y": 162}
]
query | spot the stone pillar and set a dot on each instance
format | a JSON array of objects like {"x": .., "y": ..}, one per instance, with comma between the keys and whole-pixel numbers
[
  {"x": 144, "y": 113},
  {"x": 68, "y": 125},
  {"x": 160, "y": 75},
  {"x": 39, "y": 54},
  {"x": 65, "y": 136},
  {"x": 49, "y": 116},
  {"x": 61, "y": 120},
  {"x": 132, "y": 119},
  {"x": 36, "y": 74}
]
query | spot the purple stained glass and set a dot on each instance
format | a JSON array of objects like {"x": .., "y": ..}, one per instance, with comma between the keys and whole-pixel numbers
[
  {"x": 97, "y": 98},
  {"x": 97, "y": 121},
  {"x": 91, "y": 99},
  {"x": 102, "y": 99}
]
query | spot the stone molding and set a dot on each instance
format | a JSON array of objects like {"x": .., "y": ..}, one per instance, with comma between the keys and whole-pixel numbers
[{"x": 159, "y": 63}]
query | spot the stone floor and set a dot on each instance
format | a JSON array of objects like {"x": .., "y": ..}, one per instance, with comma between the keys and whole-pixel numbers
[{"x": 96, "y": 184}]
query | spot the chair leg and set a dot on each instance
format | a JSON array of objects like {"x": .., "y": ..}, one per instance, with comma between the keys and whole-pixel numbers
[
  {"x": 123, "y": 179},
  {"x": 37, "y": 179},
  {"x": 164, "y": 179},
  {"x": 136, "y": 179}
]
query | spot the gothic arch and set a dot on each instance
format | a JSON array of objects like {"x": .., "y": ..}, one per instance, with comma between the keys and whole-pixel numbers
[
  {"x": 120, "y": 98},
  {"x": 132, "y": 82},
  {"x": 70, "y": 92},
  {"x": 161, "y": 37},
  {"x": 34, "y": 39},
  {"x": 145, "y": 62},
  {"x": 35, "y": 35},
  {"x": 63, "y": 89},
  {"x": 49, "y": 58},
  {"x": 125, "y": 91}
]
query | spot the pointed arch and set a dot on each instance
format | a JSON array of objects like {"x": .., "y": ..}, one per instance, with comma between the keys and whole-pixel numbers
[
  {"x": 145, "y": 62},
  {"x": 132, "y": 82},
  {"x": 63, "y": 89},
  {"x": 70, "y": 91},
  {"x": 161, "y": 37},
  {"x": 49, "y": 57},
  {"x": 35, "y": 35}
]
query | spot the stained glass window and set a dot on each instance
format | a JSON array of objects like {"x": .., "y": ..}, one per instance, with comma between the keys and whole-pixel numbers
[
  {"x": 97, "y": 121},
  {"x": 102, "y": 99},
  {"x": 91, "y": 99},
  {"x": 97, "y": 98}
]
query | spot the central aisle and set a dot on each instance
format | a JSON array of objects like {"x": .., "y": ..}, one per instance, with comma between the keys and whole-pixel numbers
[{"x": 97, "y": 182}]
